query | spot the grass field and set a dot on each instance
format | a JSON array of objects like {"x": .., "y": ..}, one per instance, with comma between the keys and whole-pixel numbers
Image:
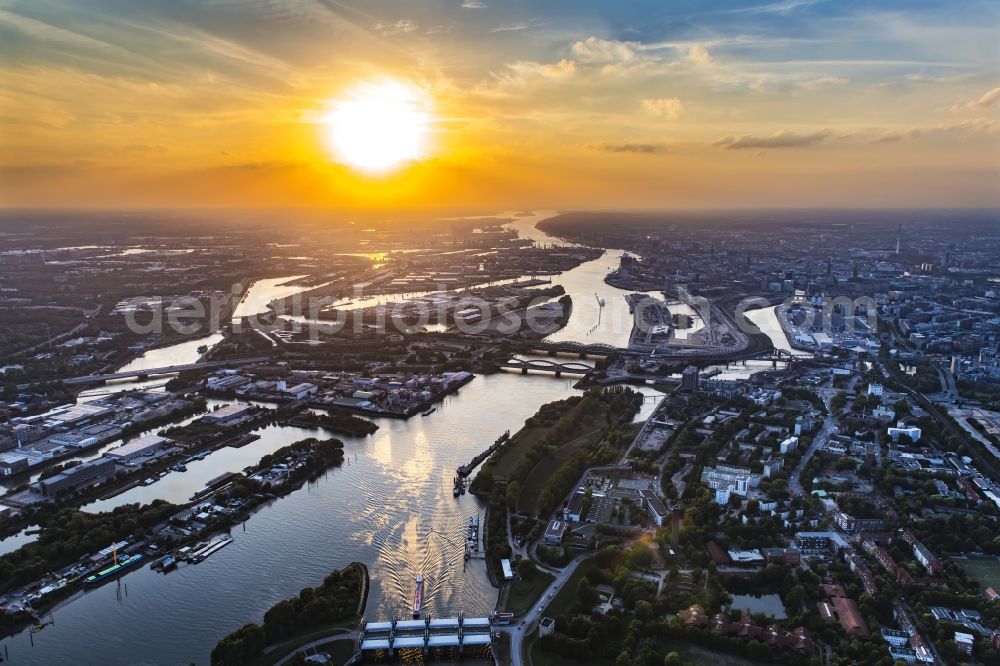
[
  {"x": 540, "y": 657},
  {"x": 527, "y": 503},
  {"x": 523, "y": 594},
  {"x": 340, "y": 650},
  {"x": 531, "y": 487},
  {"x": 986, "y": 570},
  {"x": 501, "y": 650},
  {"x": 520, "y": 443},
  {"x": 277, "y": 651},
  {"x": 702, "y": 655},
  {"x": 565, "y": 599},
  {"x": 586, "y": 439},
  {"x": 689, "y": 653},
  {"x": 561, "y": 604}
]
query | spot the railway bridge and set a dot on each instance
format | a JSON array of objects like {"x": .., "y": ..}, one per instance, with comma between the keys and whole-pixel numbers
[
  {"x": 579, "y": 349},
  {"x": 545, "y": 365}
]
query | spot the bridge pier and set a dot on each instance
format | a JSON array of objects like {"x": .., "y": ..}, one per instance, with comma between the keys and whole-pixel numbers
[
  {"x": 558, "y": 374},
  {"x": 524, "y": 371}
]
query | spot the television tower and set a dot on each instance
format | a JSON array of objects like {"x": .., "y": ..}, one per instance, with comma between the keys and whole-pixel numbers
[{"x": 899, "y": 238}]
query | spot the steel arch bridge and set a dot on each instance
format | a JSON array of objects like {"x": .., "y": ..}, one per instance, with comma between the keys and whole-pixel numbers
[
  {"x": 776, "y": 354},
  {"x": 545, "y": 365}
]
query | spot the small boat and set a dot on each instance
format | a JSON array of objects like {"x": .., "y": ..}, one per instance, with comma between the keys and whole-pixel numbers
[
  {"x": 202, "y": 349},
  {"x": 41, "y": 625},
  {"x": 165, "y": 563},
  {"x": 430, "y": 411},
  {"x": 418, "y": 597}
]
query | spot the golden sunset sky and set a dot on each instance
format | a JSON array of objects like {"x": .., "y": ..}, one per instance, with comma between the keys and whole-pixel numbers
[{"x": 534, "y": 104}]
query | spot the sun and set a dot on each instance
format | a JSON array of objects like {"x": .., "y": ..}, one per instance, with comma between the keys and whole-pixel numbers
[{"x": 379, "y": 126}]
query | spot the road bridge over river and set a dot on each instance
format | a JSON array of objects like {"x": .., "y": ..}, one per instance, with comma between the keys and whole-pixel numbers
[{"x": 166, "y": 370}]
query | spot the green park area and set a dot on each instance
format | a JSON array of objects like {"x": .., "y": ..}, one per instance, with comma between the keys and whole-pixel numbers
[
  {"x": 525, "y": 590},
  {"x": 543, "y": 471},
  {"x": 340, "y": 646},
  {"x": 545, "y": 458},
  {"x": 534, "y": 471},
  {"x": 567, "y": 597},
  {"x": 330, "y": 610},
  {"x": 984, "y": 570},
  {"x": 561, "y": 605},
  {"x": 534, "y": 433},
  {"x": 575, "y": 596}
]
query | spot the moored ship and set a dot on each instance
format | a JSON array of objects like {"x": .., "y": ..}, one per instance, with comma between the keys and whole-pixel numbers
[
  {"x": 120, "y": 567},
  {"x": 212, "y": 546}
]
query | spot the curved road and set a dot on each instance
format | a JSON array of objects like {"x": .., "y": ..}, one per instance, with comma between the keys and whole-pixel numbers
[
  {"x": 334, "y": 636},
  {"x": 529, "y": 620},
  {"x": 819, "y": 440}
]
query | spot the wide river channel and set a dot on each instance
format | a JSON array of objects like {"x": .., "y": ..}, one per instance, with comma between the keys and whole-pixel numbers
[{"x": 390, "y": 506}]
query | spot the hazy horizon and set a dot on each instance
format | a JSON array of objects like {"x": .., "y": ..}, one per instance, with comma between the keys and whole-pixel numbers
[{"x": 494, "y": 106}]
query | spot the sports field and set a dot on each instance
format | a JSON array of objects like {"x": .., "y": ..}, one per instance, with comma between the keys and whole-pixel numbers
[{"x": 986, "y": 570}]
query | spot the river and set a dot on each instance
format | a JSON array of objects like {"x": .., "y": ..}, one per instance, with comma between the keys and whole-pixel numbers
[
  {"x": 160, "y": 357},
  {"x": 15, "y": 541},
  {"x": 390, "y": 505},
  {"x": 591, "y": 323},
  {"x": 262, "y": 292},
  {"x": 766, "y": 319}
]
